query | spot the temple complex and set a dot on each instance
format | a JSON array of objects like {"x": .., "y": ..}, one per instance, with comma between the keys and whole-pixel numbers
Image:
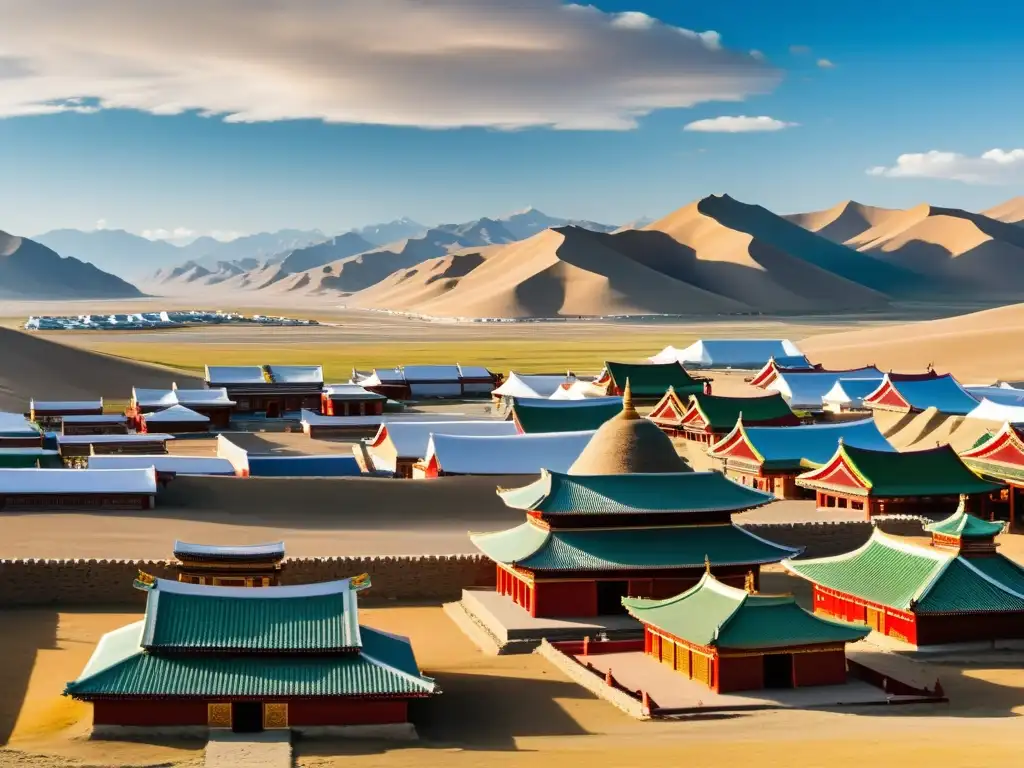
[
  {"x": 770, "y": 458},
  {"x": 213, "y": 403},
  {"x": 269, "y": 389},
  {"x": 250, "y": 565},
  {"x": 708, "y": 418},
  {"x": 351, "y": 400},
  {"x": 416, "y": 382},
  {"x": 733, "y": 639},
  {"x": 913, "y": 394},
  {"x": 648, "y": 381},
  {"x": 926, "y": 482},
  {"x": 957, "y": 590},
  {"x": 540, "y": 416},
  {"x": 999, "y": 456},
  {"x": 628, "y": 520},
  {"x": 251, "y": 659}
]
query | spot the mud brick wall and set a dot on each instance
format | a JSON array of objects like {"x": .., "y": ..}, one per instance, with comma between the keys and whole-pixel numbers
[
  {"x": 426, "y": 579},
  {"x": 109, "y": 582}
]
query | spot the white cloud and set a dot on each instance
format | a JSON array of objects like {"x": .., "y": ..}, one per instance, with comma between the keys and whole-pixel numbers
[
  {"x": 100, "y": 224},
  {"x": 738, "y": 124},
  {"x": 441, "y": 64},
  {"x": 178, "y": 233},
  {"x": 826, "y": 64},
  {"x": 996, "y": 166}
]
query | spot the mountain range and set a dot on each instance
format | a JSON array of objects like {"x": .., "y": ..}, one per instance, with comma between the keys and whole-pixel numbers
[{"x": 30, "y": 270}]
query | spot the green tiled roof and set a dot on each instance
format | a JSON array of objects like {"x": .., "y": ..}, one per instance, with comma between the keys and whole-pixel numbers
[
  {"x": 965, "y": 526},
  {"x": 572, "y": 417},
  {"x": 935, "y": 472},
  {"x": 714, "y": 614},
  {"x": 120, "y": 667},
  {"x": 558, "y": 493},
  {"x": 903, "y": 576},
  {"x": 314, "y": 617},
  {"x": 721, "y": 413},
  {"x": 539, "y": 549},
  {"x": 652, "y": 380}
]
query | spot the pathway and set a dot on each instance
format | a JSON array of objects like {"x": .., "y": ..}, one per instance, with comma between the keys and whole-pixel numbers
[{"x": 269, "y": 749}]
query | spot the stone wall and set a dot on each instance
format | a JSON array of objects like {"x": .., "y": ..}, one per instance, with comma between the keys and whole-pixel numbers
[{"x": 434, "y": 578}]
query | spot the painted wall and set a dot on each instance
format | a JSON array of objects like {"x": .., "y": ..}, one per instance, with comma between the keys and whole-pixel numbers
[
  {"x": 153, "y": 712},
  {"x": 740, "y": 673},
  {"x": 822, "y": 668}
]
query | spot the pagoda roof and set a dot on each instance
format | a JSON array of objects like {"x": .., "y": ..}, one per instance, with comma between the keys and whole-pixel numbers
[
  {"x": 994, "y": 410},
  {"x": 943, "y": 393},
  {"x": 774, "y": 366},
  {"x": 122, "y": 667},
  {"x": 962, "y": 525},
  {"x": 652, "y": 380},
  {"x": 533, "y": 416},
  {"x": 270, "y": 551},
  {"x": 783, "y": 448},
  {"x": 556, "y": 493},
  {"x": 934, "y": 472},
  {"x": 306, "y": 618},
  {"x": 713, "y": 614},
  {"x": 721, "y": 413},
  {"x": 998, "y": 454},
  {"x": 891, "y": 572},
  {"x": 535, "y": 548}
]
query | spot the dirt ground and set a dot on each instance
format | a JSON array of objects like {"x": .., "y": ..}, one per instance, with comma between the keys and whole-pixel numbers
[{"x": 518, "y": 711}]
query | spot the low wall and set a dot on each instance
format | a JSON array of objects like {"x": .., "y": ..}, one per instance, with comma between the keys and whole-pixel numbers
[{"x": 429, "y": 578}]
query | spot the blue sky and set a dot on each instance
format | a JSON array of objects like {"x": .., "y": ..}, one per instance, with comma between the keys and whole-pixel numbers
[{"x": 907, "y": 78}]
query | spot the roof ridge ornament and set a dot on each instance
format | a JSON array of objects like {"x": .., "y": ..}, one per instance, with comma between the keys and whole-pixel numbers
[
  {"x": 628, "y": 410},
  {"x": 707, "y": 565}
]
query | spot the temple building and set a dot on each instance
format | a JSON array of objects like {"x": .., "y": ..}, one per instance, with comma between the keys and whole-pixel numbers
[
  {"x": 540, "y": 416},
  {"x": 500, "y": 454},
  {"x": 530, "y": 385},
  {"x": 999, "y": 456},
  {"x": 957, "y": 590},
  {"x": 848, "y": 395},
  {"x": 904, "y": 394},
  {"x": 175, "y": 420},
  {"x": 648, "y": 381},
  {"x": 399, "y": 445},
  {"x": 83, "y": 446},
  {"x": 708, "y": 418},
  {"x": 351, "y": 400},
  {"x": 251, "y": 565},
  {"x": 100, "y": 424},
  {"x": 269, "y": 389},
  {"x": 251, "y": 659},
  {"x": 883, "y": 482},
  {"x": 733, "y": 639},
  {"x": 17, "y": 432},
  {"x": 806, "y": 390},
  {"x": 212, "y": 403},
  {"x": 629, "y": 519},
  {"x": 418, "y": 382},
  {"x": 772, "y": 368},
  {"x": 50, "y": 413},
  {"x": 770, "y": 458},
  {"x": 86, "y": 489}
]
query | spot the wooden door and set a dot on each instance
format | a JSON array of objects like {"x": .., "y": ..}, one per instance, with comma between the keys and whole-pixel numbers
[
  {"x": 668, "y": 655},
  {"x": 876, "y": 620}
]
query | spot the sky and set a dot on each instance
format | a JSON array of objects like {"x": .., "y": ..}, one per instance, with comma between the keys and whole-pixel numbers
[{"x": 236, "y": 116}]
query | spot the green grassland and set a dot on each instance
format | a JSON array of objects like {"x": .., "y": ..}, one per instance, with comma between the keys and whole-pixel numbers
[{"x": 545, "y": 355}]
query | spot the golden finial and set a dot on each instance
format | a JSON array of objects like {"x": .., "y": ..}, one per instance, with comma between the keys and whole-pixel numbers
[
  {"x": 628, "y": 411},
  {"x": 707, "y": 565},
  {"x": 748, "y": 585}
]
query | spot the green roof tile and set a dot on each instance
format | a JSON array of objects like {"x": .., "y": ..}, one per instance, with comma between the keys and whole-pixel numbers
[
  {"x": 314, "y": 617},
  {"x": 721, "y": 413},
  {"x": 538, "y": 549},
  {"x": 934, "y": 472},
  {"x": 559, "y": 493},
  {"x": 714, "y": 614},
  {"x": 125, "y": 669},
  {"x": 652, "y": 380},
  {"x": 573, "y": 417},
  {"x": 965, "y": 526},
  {"x": 907, "y": 577}
]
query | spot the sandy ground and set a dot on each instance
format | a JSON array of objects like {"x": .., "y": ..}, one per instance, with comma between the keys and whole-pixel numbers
[{"x": 519, "y": 711}]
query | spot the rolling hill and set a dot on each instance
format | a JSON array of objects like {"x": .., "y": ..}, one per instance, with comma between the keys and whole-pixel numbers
[
  {"x": 1010, "y": 212},
  {"x": 30, "y": 270}
]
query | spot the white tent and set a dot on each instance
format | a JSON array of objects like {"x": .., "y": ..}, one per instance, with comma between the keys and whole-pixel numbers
[
  {"x": 732, "y": 353},
  {"x": 530, "y": 385},
  {"x": 989, "y": 410},
  {"x": 506, "y": 454}
]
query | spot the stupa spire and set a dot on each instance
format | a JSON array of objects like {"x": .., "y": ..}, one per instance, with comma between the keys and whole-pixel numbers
[{"x": 628, "y": 411}]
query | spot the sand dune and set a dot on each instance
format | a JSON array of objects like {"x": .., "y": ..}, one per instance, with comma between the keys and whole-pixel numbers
[
  {"x": 843, "y": 221},
  {"x": 982, "y": 346},
  {"x": 34, "y": 367},
  {"x": 1010, "y": 212}
]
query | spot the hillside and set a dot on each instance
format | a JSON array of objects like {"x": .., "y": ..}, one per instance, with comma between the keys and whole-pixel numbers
[
  {"x": 29, "y": 270},
  {"x": 1010, "y": 212},
  {"x": 958, "y": 251},
  {"x": 977, "y": 348},
  {"x": 35, "y": 367}
]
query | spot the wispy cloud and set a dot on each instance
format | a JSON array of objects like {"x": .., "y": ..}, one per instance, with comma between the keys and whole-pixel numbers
[
  {"x": 826, "y": 64},
  {"x": 182, "y": 235},
  {"x": 447, "y": 63},
  {"x": 996, "y": 166},
  {"x": 738, "y": 124}
]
